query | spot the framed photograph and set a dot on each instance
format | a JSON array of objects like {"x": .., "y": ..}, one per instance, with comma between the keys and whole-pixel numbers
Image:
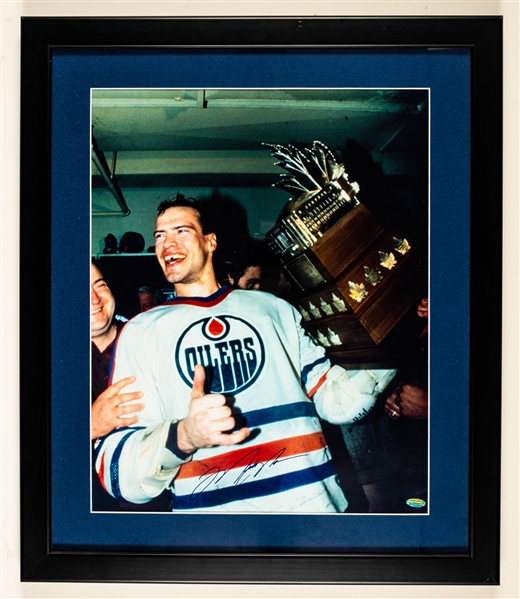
[{"x": 402, "y": 116}]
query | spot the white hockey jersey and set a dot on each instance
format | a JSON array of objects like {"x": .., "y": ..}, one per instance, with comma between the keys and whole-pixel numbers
[{"x": 255, "y": 353}]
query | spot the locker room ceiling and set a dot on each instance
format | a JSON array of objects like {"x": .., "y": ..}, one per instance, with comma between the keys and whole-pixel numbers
[{"x": 213, "y": 138}]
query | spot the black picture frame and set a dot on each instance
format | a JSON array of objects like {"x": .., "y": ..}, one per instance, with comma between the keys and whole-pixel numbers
[{"x": 483, "y": 36}]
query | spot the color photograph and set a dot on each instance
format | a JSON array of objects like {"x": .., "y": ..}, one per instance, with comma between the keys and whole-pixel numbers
[{"x": 271, "y": 355}]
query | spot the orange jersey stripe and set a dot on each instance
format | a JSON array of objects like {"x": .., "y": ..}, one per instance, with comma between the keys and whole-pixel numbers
[
  {"x": 256, "y": 454},
  {"x": 318, "y": 385}
]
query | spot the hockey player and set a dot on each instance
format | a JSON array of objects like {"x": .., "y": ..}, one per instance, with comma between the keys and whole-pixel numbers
[{"x": 232, "y": 388}]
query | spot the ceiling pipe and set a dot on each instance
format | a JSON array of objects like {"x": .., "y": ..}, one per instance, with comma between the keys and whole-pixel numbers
[
  {"x": 201, "y": 99},
  {"x": 110, "y": 178}
]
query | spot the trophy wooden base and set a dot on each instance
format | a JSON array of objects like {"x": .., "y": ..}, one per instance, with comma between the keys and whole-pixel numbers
[{"x": 368, "y": 283}]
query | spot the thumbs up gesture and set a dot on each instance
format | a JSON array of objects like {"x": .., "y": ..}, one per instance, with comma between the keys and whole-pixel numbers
[{"x": 208, "y": 419}]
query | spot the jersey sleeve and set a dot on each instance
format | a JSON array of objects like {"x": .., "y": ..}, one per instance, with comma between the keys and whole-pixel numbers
[
  {"x": 314, "y": 362},
  {"x": 133, "y": 463},
  {"x": 340, "y": 396},
  {"x": 348, "y": 396}
]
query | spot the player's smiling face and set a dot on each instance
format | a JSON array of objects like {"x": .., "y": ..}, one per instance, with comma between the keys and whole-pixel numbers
[
  {"x": 102, "y": 304},
  {"x": 181, "y": 247}
]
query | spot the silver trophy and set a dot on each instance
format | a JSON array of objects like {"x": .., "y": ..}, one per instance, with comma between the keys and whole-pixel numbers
[{"x": 322, "y": 194}]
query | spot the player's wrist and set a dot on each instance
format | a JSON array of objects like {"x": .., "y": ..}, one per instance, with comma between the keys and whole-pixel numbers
[{"x": 178, "y": 441}]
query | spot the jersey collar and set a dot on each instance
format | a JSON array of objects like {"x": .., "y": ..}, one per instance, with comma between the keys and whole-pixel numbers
[{"x": 206, "y": 302}]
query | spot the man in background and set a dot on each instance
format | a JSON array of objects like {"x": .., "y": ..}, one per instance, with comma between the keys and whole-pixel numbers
[
  {"x": 149, "y": 297},
  {"x": 243, "y": 269},
  {"x": 105, "y": 325}
]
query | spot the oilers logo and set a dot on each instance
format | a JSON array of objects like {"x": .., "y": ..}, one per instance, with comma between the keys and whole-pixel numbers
[{"x": 229, "y": 348}]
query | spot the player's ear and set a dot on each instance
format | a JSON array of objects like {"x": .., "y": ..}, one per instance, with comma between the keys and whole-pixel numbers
[{"x": 212, "y": 242}]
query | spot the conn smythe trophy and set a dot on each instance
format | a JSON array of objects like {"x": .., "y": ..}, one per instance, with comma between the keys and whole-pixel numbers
[{"x": 356, "y": 280}]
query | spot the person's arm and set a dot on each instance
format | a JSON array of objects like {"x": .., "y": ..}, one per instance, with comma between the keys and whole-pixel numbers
[
  {"x": 340, "y": 396},
  {"x": 132, "y": 462},
  {"x": 348, "y": 396},
  {"x": 136, "y": 464}
]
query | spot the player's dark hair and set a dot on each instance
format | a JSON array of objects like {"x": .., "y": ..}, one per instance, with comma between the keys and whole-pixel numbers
[{"x": 180, "y": 201}]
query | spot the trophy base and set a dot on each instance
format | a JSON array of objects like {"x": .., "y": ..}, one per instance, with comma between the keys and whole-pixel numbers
[{"x": 352, "y": 313}]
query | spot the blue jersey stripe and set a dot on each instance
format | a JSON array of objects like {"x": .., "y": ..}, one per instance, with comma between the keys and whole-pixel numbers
[
  {"x": 276, "y": 414},
  {"x": 306, "y": 371},
  {"x": 114, "y": 467},
  {"x": 200, "y": 498},
  {"x": 98, "y": 443}
]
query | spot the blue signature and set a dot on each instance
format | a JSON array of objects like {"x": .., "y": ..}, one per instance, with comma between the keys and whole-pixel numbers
[{"x": 214, "y": 475}]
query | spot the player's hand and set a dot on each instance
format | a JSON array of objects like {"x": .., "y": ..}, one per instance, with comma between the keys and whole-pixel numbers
[
  {"x": 109, "y": 409},
  {"x": 208, "y": 420}
]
